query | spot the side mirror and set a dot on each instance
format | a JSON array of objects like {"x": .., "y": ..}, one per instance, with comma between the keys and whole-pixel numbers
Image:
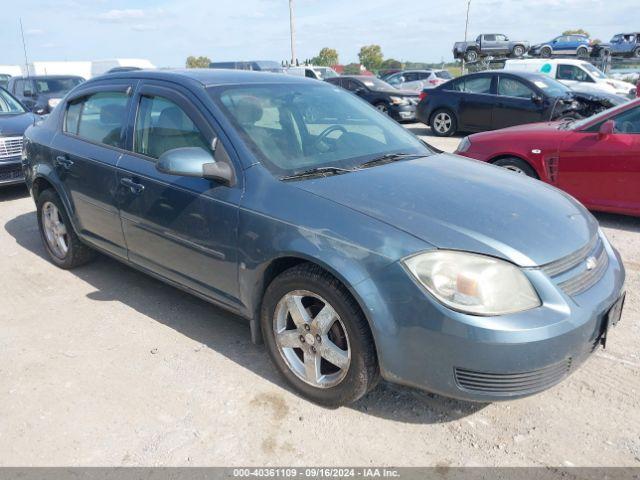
[
  {"x": 606, "y": 129},
  {"x": 194, "y": 162},
  {"x": 535, "y": 98}
]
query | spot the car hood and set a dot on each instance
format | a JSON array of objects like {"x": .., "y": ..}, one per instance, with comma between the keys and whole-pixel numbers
[
  {"x": 455, "y": 203},
  {"x": 15, "y": 125}
]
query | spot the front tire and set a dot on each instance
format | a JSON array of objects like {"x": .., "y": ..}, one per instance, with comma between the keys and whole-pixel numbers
[
  {"x": 318, "y": 337},
  {"x": 60, "y": 240},
  {"x": 546, "y": 52},
  {"x": 517, "y": 165},
  {"x": 443, "y": 123}
]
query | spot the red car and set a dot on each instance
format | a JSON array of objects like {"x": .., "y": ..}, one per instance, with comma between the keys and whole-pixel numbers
[{"x": 597, "y": 160}]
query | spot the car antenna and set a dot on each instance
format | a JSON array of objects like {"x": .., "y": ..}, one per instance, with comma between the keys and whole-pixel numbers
[{"x": 24, "y": 47}]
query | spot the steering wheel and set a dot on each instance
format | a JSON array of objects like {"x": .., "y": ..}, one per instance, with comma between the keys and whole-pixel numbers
[{"x": 325, "y": 133}]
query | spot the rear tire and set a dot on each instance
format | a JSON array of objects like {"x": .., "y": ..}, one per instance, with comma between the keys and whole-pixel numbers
[
  {"x": 582, "y": 52},
  {"x": 517, "y": 165},
  {"x": 518, "y": 51},
  {"x": 307, "y": 315},
  {"x": 443, "y": 123},
  {"x": 471, "y": 56},
  {"x": 60, "y": 240}
]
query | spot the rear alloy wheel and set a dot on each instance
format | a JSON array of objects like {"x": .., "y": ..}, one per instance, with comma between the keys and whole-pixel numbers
[
  {"x": 471, "y": 56},
  {"x": 582, "y": 52},
  {"x": 61, "y": 242},
  {"x": 516, "y": 165},
  {"x": 318, "y": 337},
  {"x": 443, "y": 123},
  {"x": 382, "y": 107},
  {"x": 518, "y": 51},
  {"x": 546, "y": 52}
]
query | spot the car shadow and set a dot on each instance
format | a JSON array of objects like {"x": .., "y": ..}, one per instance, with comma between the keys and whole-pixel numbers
[
  {"x": 226, "y": 333},
  {"x": 13, "y": 192},
  {"x": 620, "y": 222}
]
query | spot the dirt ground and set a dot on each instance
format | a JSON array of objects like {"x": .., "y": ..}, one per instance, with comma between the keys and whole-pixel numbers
[{"x": 106, "y": 366}]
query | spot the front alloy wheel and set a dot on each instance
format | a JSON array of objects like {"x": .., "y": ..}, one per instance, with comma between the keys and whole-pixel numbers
[
  {"x": 312, "y": 339},
  {"x": 318, "y": 337}
]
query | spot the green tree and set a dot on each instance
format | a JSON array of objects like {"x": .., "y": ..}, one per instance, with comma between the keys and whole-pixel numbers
[
  {"x": 198, "y": 62},
  {"x": 371, "y": 57},
  {"x": 327, "y": 57},
  {"x": 391, "y": 63},
  {"x": 576, "y": 31},
  {"x": 352, "y": 69}
]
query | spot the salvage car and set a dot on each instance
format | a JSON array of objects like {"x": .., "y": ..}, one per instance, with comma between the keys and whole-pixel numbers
[
  {"x": 563, "y": 45},
  {"x": 489, "y": 44},
  {"x": 572, "y": 72},
  {"x": 14, "y": 120},
  {"x": 597, "y": 160},
  {"x": 353, "y": 249},
  {"x": 41, "y": 93},
  {"x": 398, "y": 104},
  {"x": 498, "y": 99},
  {"x": 625, "y": 45}
]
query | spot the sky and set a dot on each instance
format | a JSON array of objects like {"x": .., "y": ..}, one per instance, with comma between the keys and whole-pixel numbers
[{"x": 168, "y": 31}]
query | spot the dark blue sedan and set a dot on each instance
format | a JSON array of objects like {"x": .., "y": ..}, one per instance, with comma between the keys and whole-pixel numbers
[{"x": 353, "y": 249}]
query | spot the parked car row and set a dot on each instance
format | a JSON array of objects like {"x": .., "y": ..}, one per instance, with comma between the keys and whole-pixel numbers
[
  {"x": 354, "y": 249},
  {"x": 497, "y": 44}
]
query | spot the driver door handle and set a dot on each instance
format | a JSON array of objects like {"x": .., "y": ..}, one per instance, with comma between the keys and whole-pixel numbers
[{"x": 135, "y": 187}]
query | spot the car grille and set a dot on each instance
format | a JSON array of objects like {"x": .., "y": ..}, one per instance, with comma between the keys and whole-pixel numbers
[
  {"x": 508, "y": 384},
  {"x": 591, "y": 260},
  {"x": 10, "y": 147},
  {"x": 10, "y": 172}
]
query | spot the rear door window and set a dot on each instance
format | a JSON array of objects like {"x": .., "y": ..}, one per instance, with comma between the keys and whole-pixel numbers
[
  {"x": 98, "y": 118},
  {"x": 472, "y": 85}
]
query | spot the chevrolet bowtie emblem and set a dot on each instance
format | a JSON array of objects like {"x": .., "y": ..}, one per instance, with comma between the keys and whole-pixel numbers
[{"x": 592, "y": 263}]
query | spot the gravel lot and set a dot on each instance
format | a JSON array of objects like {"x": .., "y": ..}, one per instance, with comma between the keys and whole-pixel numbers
[{"x": 106, "y": 366}]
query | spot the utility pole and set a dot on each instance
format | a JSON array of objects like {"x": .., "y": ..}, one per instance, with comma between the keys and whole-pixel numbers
[
  {"x": 24, "y": 48},
  {"x": 466, "y": 28},
  {"x": 292, "y": 24}
]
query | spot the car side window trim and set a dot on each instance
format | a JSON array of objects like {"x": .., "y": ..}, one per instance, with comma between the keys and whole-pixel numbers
[{"x": 87, "y": 92}]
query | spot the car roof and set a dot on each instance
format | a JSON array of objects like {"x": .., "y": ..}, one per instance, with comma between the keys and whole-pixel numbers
[
  {"x": 42, "y": 77},
  {"x": 515, "y": 73},
  {"x": 206, "y": 77}
]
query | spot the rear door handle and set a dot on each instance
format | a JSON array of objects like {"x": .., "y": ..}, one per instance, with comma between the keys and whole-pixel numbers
[
  {"x": 135, "y": 187},
  {"x": 64, "y": 162}
]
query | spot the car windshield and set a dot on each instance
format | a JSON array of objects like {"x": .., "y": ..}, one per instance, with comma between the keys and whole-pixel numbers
[
  {"x": 8, "y": 104},
  {"x": 593, "y": 70},
  {"x": 56, "y": 85},
  {"x": 293, "y": 128},
  {"x": 551, "y": 87}
]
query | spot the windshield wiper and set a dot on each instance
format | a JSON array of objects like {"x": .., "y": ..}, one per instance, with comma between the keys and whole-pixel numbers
[
  {"x": 312, "y": 172},
  {"x": 388, "y": 158}
]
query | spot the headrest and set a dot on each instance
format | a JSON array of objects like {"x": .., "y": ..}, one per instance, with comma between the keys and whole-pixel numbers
[
  {"x": 248, "y": 110},
  {"x": 171, "y": 118},
  {"x": 112, "y": 114}
]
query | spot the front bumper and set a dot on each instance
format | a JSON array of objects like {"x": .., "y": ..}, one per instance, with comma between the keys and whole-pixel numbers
[
  {"x": 11, "y": 171},
  {"x": 403, "y": 113},
  {"x": 423, "y": 344}
]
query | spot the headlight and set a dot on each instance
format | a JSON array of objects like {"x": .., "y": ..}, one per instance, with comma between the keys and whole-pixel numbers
[
  {"x": 399, "y": 101},
  {"x": 53, "y": 102},
  {"x": 473, "y": 283},
  {"x": 464, "y": 145}
]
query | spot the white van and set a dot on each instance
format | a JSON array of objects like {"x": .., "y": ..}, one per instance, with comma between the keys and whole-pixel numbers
[
  {"x": 312, "y": 71},
  {"x": 572, "y": 72}
]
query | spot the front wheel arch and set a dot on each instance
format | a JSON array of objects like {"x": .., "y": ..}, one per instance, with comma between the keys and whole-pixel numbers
[{"x": 534, "y": 170}]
